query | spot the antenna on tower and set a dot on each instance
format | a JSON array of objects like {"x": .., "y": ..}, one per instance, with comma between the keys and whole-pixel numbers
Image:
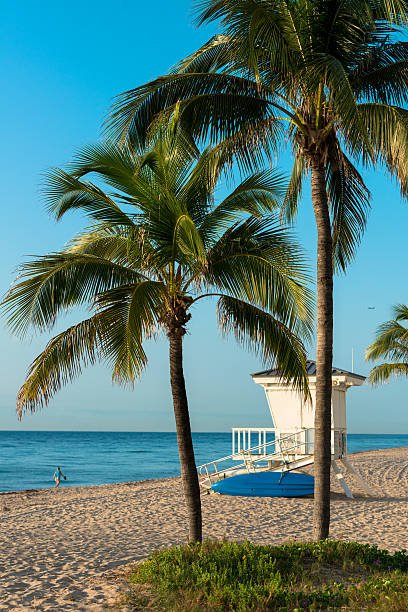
[{"x": 352, "y": 358}]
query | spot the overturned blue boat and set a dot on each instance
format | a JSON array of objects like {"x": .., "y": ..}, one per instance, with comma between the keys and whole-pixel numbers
[{"x": 266, "y": 484}]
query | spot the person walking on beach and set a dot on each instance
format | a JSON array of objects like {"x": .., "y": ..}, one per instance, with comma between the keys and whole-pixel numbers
[{"x": 57, "y": 476}]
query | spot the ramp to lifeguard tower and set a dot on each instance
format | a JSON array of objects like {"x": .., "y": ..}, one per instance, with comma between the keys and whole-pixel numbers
[{"x": 285, "y": 453}]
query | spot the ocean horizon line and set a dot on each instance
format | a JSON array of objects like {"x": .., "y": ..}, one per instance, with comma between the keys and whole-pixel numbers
[{"x": 152, "y": 431}]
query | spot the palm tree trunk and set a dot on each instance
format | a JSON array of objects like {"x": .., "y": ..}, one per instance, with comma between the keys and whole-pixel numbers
[
  {"x": 324, "y": 352},
  {"x": 185, "y": 444}
]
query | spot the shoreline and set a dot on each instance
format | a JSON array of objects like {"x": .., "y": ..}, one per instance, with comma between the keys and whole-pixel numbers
[
  {"x": 133, "y": 482},
  {"x": 73, "y": 487}
]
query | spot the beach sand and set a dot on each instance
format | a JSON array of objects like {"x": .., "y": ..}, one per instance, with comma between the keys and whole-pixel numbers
[{"x": 63, "y": 549}]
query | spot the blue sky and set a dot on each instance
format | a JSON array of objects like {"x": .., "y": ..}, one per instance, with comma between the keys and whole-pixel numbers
[{"x": 62, "y": 63}]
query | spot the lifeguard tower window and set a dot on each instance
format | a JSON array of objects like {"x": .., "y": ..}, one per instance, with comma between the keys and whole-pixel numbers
[{"x": 291, "y": 413}]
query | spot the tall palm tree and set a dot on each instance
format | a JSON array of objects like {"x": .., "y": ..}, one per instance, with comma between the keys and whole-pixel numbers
[
  {"x": 391, "y": 344},
  {"x": 158, "y": 245},
  {"x": 326, "y": 78}
]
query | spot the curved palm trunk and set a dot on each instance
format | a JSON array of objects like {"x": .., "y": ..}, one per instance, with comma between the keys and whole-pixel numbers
[
  {"x": 185, "y": 444},
  {"x": 324, "y": 353}
]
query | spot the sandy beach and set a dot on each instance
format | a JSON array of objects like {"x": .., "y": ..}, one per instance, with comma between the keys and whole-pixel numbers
[{"x": 64, "y": 549}]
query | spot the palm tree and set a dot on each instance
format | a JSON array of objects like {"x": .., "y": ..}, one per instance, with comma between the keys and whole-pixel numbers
[
  {"x": 327, "y": 79},
  {"x": 158, "y": 245},
  {"x": 391, "y": 344}
]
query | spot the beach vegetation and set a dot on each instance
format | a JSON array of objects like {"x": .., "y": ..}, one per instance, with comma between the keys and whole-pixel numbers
[
  {"x": 390, "y": 344},
  {"x": 157, "y": 245},
  {"x": 240, "y": 576},
  {"x": 326, "y": 80}
]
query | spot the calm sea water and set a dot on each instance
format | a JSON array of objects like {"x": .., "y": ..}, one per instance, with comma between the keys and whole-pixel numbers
[{"x": 28, "y": 458}]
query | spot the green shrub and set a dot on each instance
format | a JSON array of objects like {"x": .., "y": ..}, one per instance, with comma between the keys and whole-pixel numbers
[{"x": 240, "y": 576}]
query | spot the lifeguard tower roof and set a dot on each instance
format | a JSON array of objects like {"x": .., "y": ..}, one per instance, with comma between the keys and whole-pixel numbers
[{"x": 311, "y": 371}]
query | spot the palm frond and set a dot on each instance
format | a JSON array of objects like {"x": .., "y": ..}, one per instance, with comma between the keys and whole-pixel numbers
[
  {"x": 257, "y": 195},
  {"x": 102, "y": 240},
  {"x": 391, "y": 342},
  {"x": 400, "y": 312},
  {"x": 253, "y": 27},
  {"x": 349, "y": 201},
  {"x": 388, "y": 130},
  {"x": 267, "y": 337},
  {"x": 194, "y": 94},
  {"x": 259, "y": 262},
  {"x": 197, "y": 191},
  {"x": 214, "y": 55},
  {"x": 64, "y": 192},
  {"x": 382, "y": 75},
  {"x": 132, "y": 314},
  {"x": 248, "y": 145},
  {"x": 61, "y": 362},
  {"x": 52, "y": 283},
  {"x": 294, "y": 189},
  {"x": 329, "y": 71},
  {"x": 382, "y": 373},
  {"x": 392, "y": 12}
]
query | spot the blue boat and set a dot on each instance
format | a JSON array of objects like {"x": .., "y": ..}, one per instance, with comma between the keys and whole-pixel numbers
[{"x": 266, "y": 484}]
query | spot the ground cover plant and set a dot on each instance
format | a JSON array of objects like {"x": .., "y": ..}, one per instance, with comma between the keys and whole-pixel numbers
[{"x": 240, "y": 576}]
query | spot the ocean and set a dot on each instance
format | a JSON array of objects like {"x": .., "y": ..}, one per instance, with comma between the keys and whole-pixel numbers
[{"x": 28, "y": 458}]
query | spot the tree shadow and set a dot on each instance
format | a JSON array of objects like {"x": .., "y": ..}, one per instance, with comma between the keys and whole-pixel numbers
[{"x": 367, "y": 497}]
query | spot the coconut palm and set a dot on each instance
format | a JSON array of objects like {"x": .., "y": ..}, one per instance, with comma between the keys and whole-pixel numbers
[
  {"x": 329, "y": 80},
  {"x": 157, "y": 246},
  {"x": 391, "y": 344}
]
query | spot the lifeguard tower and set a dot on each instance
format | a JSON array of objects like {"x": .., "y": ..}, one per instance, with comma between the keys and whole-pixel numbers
[{"x": 289, "y": 445}]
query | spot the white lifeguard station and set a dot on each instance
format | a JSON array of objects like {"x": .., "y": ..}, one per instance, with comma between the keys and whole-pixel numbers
[{"x": 289, "y": 445}]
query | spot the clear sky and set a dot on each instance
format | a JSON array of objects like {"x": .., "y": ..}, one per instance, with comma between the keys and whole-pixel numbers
[{"x": 62, "y": 63}]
